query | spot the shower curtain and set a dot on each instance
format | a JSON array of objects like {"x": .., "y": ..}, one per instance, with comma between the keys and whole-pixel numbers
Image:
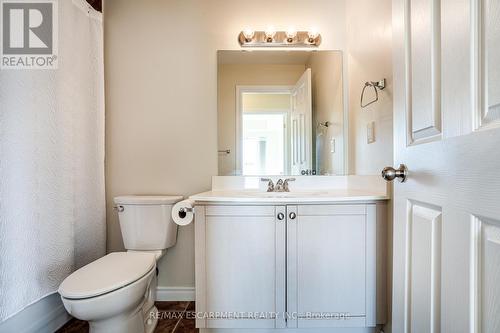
[{"x": 52, "y": 205}]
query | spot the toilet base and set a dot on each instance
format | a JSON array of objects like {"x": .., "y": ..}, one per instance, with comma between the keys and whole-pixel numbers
[
  {"x": 151, "y": 320},
  {"x": 134, "y": 322}
]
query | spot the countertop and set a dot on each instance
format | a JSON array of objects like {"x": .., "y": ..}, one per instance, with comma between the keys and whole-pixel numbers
[{"x": 303, "y": 196}]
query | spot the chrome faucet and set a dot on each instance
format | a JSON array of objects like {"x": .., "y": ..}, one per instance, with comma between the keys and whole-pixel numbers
[
  {"x": 270, "y": 185},
  {"x": 281, "y": 185},
  {"x": 285, "y": 184}
]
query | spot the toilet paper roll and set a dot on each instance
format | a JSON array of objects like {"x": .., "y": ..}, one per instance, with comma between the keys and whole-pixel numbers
[{"x": 183, "y": 212}]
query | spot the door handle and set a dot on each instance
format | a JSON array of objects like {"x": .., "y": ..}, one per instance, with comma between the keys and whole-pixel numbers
[
  {"x": 292, "y": 216},
  {"x": 281, "y": 216},
  {"x": 400, "y": 173}
]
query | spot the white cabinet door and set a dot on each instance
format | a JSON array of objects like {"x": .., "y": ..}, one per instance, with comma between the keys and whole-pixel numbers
[
  {"x": 243, "y": 253},
  {"x": 327, "y": 266}
]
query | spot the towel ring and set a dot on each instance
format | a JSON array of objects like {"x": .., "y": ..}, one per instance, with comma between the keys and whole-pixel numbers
[{"x": 377, "y": 85}]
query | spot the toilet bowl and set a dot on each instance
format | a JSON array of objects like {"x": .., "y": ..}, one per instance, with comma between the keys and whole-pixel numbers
[
  {"x": 110, "y": 292},
  {"x": 116, "y": 293}
]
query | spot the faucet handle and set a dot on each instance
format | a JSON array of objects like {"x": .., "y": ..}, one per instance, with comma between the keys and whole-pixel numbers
[
  {"x": 279, "y": 186},
  {"x": 270, "y": 185},
  {"x": 285, "y": 184}
]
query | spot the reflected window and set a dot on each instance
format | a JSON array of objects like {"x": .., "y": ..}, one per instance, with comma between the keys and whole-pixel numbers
[{"x": 264, "y": 143}]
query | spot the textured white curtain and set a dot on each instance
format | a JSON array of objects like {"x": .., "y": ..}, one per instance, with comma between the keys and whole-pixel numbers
[{"x": 52, "y": 205}]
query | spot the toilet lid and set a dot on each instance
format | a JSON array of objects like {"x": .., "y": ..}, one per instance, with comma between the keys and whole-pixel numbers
[
  {"x": 106, "y": 274},
  {"x": 147, "y": 199}
]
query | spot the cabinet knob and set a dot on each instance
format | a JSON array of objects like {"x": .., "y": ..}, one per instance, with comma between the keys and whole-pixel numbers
[
  {"x": 281, "y": 216},
  {"x": 292, "y": 216},
  {"x": 119, "y": 208}
]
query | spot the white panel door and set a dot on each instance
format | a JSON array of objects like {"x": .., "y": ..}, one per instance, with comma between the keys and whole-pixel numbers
[
  {"x": 447, "y": 213},
  {"x": 301, "y": 124}
]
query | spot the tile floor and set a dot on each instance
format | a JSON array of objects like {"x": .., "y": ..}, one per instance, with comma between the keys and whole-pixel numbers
[{"x": 174, "y": 318}]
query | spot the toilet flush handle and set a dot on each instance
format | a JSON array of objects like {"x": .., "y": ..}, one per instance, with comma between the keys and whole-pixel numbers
[{"x": 119, "y": 208}]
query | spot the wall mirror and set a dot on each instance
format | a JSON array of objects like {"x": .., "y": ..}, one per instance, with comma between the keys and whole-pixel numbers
[{"x": 280, "y": 113}]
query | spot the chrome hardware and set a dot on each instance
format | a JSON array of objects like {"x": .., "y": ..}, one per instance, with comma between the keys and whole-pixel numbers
[
  {"x": 119, "y": 208},
  {"x": 292, "y": 216},
  {"x": 225, "y": 151},
  {"x": 400, "y": 173},
  {"x": 377, "y": 85},
  {"x": 285, "y": 184},
  {"x": 270, "y": 185},
  {"x": 281, "y": 216},
  {"x": 308, "y": 172},
  {"x": 279, "y": 186}
]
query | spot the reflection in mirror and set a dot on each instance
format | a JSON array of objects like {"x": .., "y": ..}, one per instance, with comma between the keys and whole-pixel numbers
[
  {"x": 491, "y": 53},
  {"x": 280, "y": 113}
]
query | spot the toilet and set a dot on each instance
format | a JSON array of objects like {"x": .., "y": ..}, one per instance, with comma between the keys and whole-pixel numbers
[{"x": 116, "y": 293}]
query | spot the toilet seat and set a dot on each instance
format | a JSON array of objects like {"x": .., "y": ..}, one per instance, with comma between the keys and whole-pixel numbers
[{"x": 107, "y": 274}]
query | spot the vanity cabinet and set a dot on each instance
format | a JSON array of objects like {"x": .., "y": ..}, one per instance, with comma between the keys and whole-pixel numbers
[{"x": 288, "y": 266}]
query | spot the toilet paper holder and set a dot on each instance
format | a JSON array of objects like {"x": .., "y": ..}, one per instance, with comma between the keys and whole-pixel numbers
[{"x": 184, "y": 210}]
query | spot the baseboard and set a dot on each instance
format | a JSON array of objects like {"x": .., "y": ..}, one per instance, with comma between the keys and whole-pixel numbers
[
  {"x": 45, "y": 316},
  {"x": 175, "y": 294}
]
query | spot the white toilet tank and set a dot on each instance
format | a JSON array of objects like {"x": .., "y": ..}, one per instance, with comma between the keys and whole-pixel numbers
[{"x": 146, "y": 223}]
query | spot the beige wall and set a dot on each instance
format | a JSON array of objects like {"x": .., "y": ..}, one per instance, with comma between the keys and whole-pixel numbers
[
  {"x": 369, "y": 56},
  {"x": 229, "y": 76},
  {"x": 161, "y": 95},
  {"x": 258, "y": 102},
  {"x": 326, "y": 68}
]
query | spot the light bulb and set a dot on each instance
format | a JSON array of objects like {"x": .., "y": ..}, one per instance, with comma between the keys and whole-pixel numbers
[
  {"x": 291, "y": 33},
  {"x": 248, "y": 34},
  {"x": 270, "y": 32},
  {"x": 312, "y": 34}
]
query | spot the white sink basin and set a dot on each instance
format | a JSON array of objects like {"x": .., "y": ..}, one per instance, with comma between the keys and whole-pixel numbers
[{"x": 295, "y": 194}]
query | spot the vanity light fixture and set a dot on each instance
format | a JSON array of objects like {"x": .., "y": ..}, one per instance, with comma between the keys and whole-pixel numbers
[{"x": 272, "y": 38}]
